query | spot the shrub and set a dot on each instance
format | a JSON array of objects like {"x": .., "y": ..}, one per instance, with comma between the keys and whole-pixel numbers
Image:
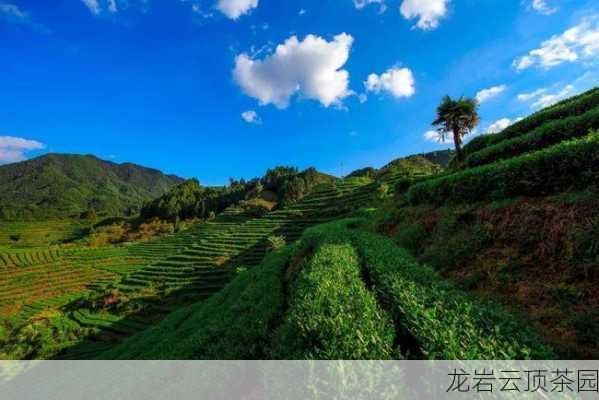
[
  {"x": 382, "y": 190},
  {"x": 332, "y": 314},
  {"x": 412, "y": 237},
  {"x": 548, "y": 134},
  {"x": 443, "y": 321},
  {"x": 276, "y": 242},
  {"x": 234, "y": 324},
  {"x": 447, "y": 323},
  {"x": 565, "y": 166},
  {"x": 573, "y": 106}
]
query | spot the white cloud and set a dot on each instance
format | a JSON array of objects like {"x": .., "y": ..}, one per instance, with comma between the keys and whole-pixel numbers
[
  {"x": 234, "y": 9},
  {"x": 531, "y": 95},
  {"x": 397, "y": 81},
  {"x": 434, "y": 136},
  {"x": 12, "y": 11},
  {"x": 547, "y": 99},
  {"x": 97, "y": 7},
  {"x": 360, "y": 4},
  {"x": 112, "y": 6},
  {"x": 93, "y": 6},
  {"x": 577, "y": 43},
  {"x": 311, "y": 68},
  {"x": 500, "y": 125},
  {"x": 302, "y": 11},
  {"x": 487, "y": 94},
  {"x": 542, "y": 7},
  {"x": 251, "y": 117},
  {"x": 428, "y": 12},
  {"x": 13, "y": 149}
]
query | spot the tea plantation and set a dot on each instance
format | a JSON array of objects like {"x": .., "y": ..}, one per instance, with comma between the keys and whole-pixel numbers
[{"x": 368, "y": 267}]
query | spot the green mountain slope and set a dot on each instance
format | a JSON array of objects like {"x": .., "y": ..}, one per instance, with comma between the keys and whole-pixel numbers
[{"x": 63, "y": 184}]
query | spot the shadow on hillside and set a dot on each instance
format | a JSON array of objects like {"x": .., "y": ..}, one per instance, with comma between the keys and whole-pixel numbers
[{"x": 156, "y": 308}]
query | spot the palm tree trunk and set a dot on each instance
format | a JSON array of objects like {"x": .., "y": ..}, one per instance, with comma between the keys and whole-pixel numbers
[{"x": 457, "y": 140}]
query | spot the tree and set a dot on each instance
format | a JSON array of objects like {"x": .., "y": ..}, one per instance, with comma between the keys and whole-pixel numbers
[{"x": 456, "y": 117}]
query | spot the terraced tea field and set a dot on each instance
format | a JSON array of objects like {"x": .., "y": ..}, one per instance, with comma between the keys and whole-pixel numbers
[{"x": 38, "y": 233}]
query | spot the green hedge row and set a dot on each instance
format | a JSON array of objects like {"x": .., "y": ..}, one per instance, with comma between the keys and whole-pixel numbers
[
  {"x": 573, "y": 106},
  {"x": 546, "y": 135},
  {"x": 442, "y": 321},
  {"x": 233, "y": 324},
  {"x": 571, "y": 165},
  {"x": 332, "y": 315}
]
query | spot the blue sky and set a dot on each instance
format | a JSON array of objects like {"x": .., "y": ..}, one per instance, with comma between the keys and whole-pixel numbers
[{"x": 227, "y": 88}]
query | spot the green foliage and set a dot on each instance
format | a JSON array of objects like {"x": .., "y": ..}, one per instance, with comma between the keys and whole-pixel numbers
[
  {"x": 38, "y": 337},
  {"x": 331, "y": 311},
  {"x": 410, "y": 167},
  {"x": 545, "y": 135},
  {"x": 57, "y": 185},
  {"x": 367, "y": 172},
  {"x": 191, "y": 200},
  {"x": 457, "y": 118},
  {"x": 569, "y": 107},
  {"x": 445, "y": 322},
  {"x": 332, "y": 315},
  {"x": 276, "y": 242},
  {"x": 382, "y": 190},
  {"x": 235, "y": 323},
  {"x": 412, "y": 237},
  {"x": 440, "y": 157},
  {"x": 566, "y": 166}
]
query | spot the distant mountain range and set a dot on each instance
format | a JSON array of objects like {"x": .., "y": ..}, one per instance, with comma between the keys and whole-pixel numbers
[{"x": 56, "y": 185}]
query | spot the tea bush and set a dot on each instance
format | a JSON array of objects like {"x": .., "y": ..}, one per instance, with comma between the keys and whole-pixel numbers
[
  {"x": 573, "y": 106},
  {"x": 546, "y": 135},
  {"x": 566, "y": 166}
]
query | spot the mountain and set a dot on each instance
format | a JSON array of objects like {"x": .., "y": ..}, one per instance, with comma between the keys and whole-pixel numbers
[{"x": 57, "y": 185}]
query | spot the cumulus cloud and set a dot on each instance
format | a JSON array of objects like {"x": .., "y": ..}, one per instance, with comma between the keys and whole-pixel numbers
[
  {"x": 310, "y": 68},
  {"x": 487, "y": 94},
  {"x": 577, "y": 43},
  {"x": 542, "y": 7},
  {"x": 251, "y": 117},
  {"x": 13, "y": 149},
  {"x": 428, "y": 12},
  {"x": 234, "y": 9},
  {"x": 399, "y": 82}
]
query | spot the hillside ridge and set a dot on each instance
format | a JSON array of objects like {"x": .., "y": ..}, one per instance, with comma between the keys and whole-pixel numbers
[{"x": 68, "y": 184}]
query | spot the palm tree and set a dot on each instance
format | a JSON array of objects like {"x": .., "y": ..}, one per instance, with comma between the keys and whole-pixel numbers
[{"x": 458, "y": 117}]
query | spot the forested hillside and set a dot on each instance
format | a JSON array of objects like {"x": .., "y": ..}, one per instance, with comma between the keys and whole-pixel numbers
[{"x": 62, "y": 185}]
